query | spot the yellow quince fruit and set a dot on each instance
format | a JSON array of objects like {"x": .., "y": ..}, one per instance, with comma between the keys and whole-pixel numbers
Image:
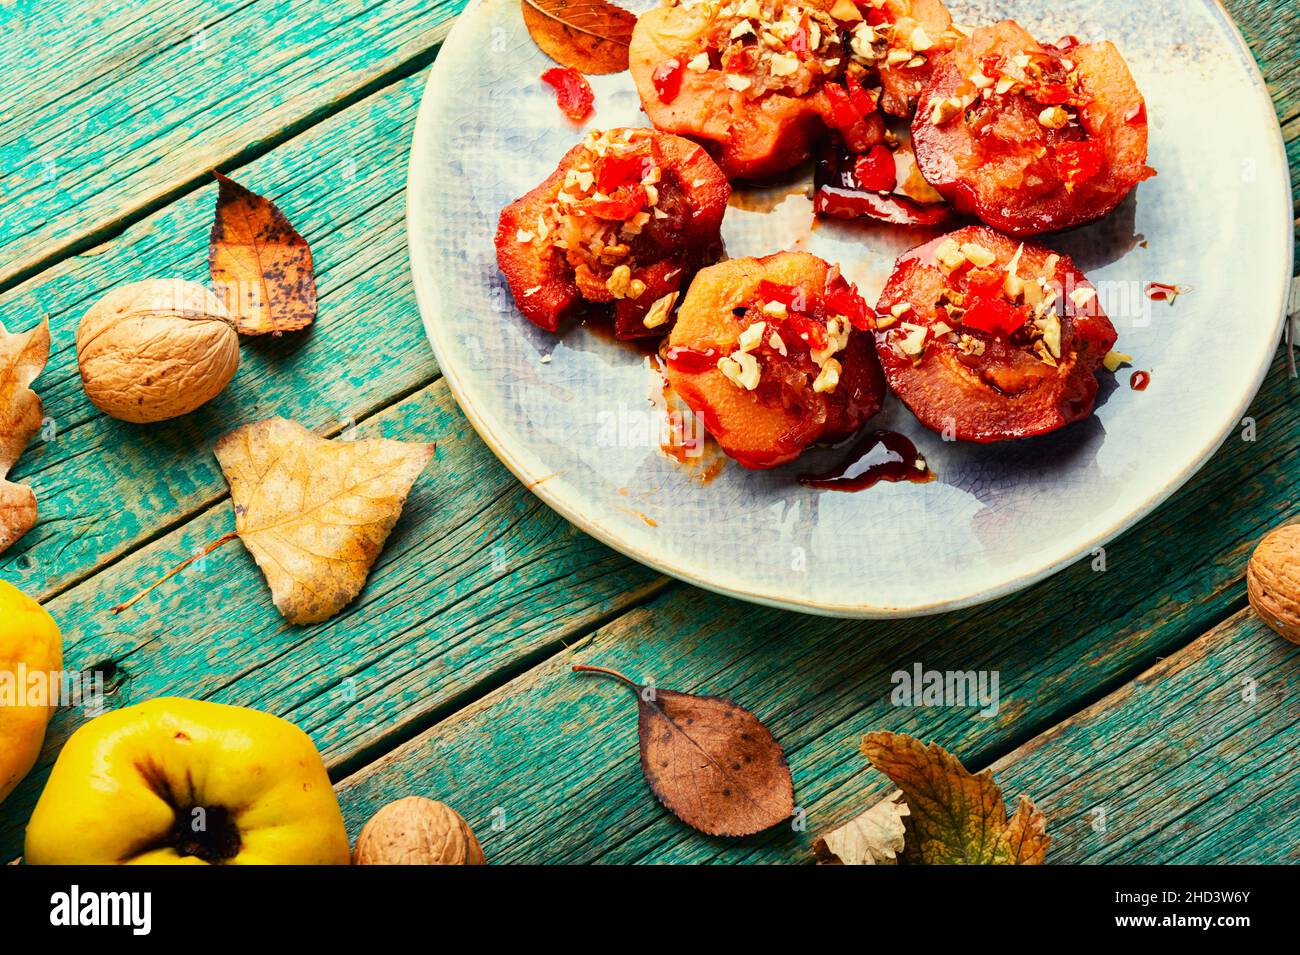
[
  {"x": 31, "y": 657},
  {"x": 188, "y": 782}
]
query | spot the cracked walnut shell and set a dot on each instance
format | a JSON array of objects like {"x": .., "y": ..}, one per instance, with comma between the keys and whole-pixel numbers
[
  {"x": 417, "y": 831},
  {"x": 157, "y": 349},
  {"x": 1273, "y": 580}
]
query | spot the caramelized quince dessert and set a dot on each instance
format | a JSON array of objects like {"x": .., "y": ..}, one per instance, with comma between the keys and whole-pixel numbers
[
  {"x": 986, "y": 338},
  {"x": 758, "y": 81},
  {"x": 622, "y": 225},
  {"x": 773, "y": 355},
  {"x": 1031, "y": 138}
]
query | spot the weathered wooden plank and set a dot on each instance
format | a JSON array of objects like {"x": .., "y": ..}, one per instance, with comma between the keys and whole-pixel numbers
[
  {"x": 478, "y": 579},
  {"x": 1192, "y": 762},
  {"x": 1271, "y": 28},
  {"x": 299, "y": 689},
  {"x": 151, "y": 95},
  {"x": 105, "y": 486},
  {"x": 438, "y": 624},
  {"x": 147, "y": 97},
  {"x": 354, "y": 162},
  {"x": 554, "y": 754}
]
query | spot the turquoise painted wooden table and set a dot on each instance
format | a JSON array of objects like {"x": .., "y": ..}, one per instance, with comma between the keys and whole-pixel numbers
[{"x": 1151, "y": 716}]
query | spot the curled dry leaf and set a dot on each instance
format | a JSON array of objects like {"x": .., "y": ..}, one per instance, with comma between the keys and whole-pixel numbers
[
  {"x": 873, "y": 838},
  {"x": 261, "y": 267},
  {"x": 955, "y": 818},
  {"x": 315, "y": 513},
  {"x": 22, "y": 358},
  {"x": 592, "y": 36},
  {"x": 711, "y": 763}
]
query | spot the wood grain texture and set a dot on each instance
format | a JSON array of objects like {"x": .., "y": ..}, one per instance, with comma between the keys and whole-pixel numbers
[
  {"x": 1191, "y": 762},
  {"x": 106, "y": 486},
  {"x": 556, "y": 756},
  {"x": 122, "y": 107},
  {"x": 477, "y": 579},
  {"x": 1272, "y": 30},
  {"x": 480, "y": 581}
]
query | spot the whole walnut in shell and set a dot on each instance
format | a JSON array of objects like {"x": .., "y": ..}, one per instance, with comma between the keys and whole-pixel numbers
[
  {"x": 154, "y": 350},
  {"x": 417, "y": 831},
  {"x": 1273, "y": 580}
]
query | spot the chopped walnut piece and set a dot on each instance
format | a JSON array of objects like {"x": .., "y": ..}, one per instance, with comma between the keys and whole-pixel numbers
[
  {"x": 978, "y": 256},
  {"x": 846, "y": 11},
  {"x": 912, "y": 341},
  {"x": 743, "y": 28},
  {"x": 784, "y": 64},
  {"x": 740, "y": 368},
  {"x": 619, "y": 281},
  {"x": 1082, "y": 296},
  {"x": 659, "y": 311},
  {"x": 1114, "y": 359},
  {"x": 1054, "y": 117},
  {"x": 828, "y": 377},
  {"x": 949, "y": 255},
  {"x": 944, "y": 109},
  {"x": 749, "y": 339},
  {"x": 1049, "y": 326}
]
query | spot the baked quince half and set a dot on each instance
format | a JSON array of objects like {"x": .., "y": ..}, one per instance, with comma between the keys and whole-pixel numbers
[
  {"x": 986, "y": 338},
  {"x": 771, "y": 353},
  {"x": 1030, "y": 137},
  {"x": 618, "y": 228}
]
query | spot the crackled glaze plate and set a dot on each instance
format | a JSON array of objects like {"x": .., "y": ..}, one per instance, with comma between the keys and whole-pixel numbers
[{"x": 577, "y": 417}]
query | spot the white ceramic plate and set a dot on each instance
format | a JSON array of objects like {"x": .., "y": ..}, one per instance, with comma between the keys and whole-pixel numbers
[{"x": 581, "y": 429}]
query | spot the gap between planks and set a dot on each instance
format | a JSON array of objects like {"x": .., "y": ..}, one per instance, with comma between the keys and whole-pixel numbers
[
  {"x": 537, "y": 657},
  {"x": 203, "y": 507},
  {"x": 147, "y": 206}
]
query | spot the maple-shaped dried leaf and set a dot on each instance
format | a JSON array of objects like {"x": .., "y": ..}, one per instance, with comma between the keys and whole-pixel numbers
[
  {"x": 710, "y": 762},
  {"x": 22, "y": 358},
  {"x": 315, "y": 513},
  {"x": 1027, "y": 837},
  {"x": 956, "y": 817},
  {"x": 261, "y": 267},
  {"x": 592, "y": 36},
  {"x": 873, "y": 838}
]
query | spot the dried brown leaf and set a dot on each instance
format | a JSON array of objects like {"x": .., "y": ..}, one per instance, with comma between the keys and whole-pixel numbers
[
  {"x": 956, "y": 817},
  {"x": 261, "y": 267},
  {"x": 315, "y": 513},
  {"x": 711, "y": 763},
  {"x": 1026, "y": 835},
  {"x": 22, "y": 358},
  {"x": 873, "y": 838},
  {"x": 592, "y": 36}
]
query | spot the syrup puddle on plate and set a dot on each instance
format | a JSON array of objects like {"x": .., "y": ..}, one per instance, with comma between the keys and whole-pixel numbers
[{"x": 877, "y": 456}]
